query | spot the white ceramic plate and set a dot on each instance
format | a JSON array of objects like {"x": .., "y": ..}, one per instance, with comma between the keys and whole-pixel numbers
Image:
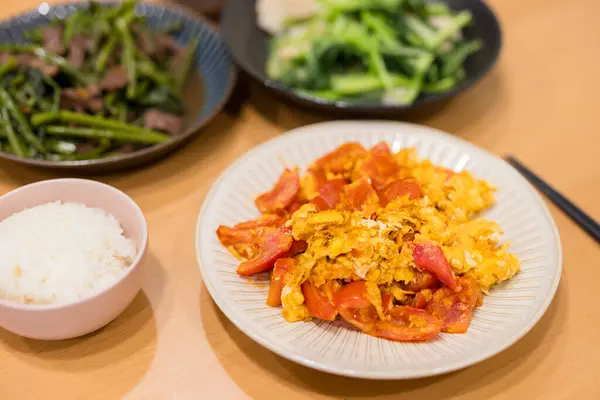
[{"x": 507, "y": 314}]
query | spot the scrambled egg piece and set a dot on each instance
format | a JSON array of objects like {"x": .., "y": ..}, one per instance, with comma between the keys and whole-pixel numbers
[
  {"x": 476, "y": 250},
  {"x": 344, "y": 245},
  {"x": 458, "y": 195}
]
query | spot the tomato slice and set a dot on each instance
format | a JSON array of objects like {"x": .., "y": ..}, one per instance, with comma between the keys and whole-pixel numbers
[
  {"x": 264, "y": 220},
  {"x": 408, "y": 324},
  {"x": 282, "y": 266},
  {"x": 331, "y": 190},
  {"x": 330, "y": 288},
  {"x": 387, "y": 301},
  {"x": 341, "y": 159},
  {"x": 455, "y": 309},
  {"x": 399, "y": 188},
  {"x": 429, "y": 256},
  {"x": 271, "y": 244},
  {"x": 422, "y": 298},
  {"x": 240, "y": 242},
  {"x": 381, "y": 167},
  {"x": 422, "y": 280},
  {"x": 233, "y": 236},
  {"x": 292, "y": 208},
  {"x": 297, "y": 247},
  {"x": 354, "y": 306},
  {"x": 320, "y": 204},
  {"x": 360, "y": 196},
  {"x": 282, "y": 194},
  {"x": 319, "y": 306},
  {"x": 381, "y": 149}
]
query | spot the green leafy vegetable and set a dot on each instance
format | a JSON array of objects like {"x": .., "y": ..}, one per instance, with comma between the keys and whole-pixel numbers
[{"x": 393, "y": 50}]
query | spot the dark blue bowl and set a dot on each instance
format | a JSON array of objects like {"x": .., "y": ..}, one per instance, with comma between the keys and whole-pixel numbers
[
  {"x": 213, "y": 64},
  {"x": 250, "y": 47}
]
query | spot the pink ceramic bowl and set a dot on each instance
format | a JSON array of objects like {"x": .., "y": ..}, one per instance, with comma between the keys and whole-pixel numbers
[{"x": 63, "y": 321}]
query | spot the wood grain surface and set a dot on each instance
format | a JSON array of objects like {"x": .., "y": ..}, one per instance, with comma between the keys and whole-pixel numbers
[{"x": 540, "y": 103}]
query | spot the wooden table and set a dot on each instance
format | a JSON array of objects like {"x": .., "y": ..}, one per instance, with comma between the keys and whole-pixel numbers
[{"x": 540, "y": 103}]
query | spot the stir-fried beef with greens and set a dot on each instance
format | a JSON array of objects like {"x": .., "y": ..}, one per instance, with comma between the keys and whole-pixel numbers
[
  {"x": 387, "y": 50},
  {"x": 96, "y": 84}
]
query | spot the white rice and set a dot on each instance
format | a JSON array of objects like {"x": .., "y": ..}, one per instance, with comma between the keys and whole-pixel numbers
[{"x": 61, "y": 253}]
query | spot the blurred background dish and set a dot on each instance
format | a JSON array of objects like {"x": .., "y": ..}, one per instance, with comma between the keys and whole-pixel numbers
[
  {"x": 250, "y": 46},
  {"x": 211, "y": 78}
]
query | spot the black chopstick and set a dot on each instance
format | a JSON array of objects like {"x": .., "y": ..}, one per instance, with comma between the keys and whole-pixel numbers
[{"x": 574, "y": 212}]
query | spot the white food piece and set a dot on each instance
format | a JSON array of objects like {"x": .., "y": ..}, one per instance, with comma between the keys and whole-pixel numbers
[
  {"x": 61, "y": 253},
  {"x": 273, "y": 14}
]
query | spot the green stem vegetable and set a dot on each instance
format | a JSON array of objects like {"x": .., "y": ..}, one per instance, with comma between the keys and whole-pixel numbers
[
  {"x": 387, "y": 36},
  {"x": 409, "y": 95},
  {"x": 147, "y": 68},
  {"x": 443, "y": 85},
  {"x": 122, "y": 111},
  {"x": 26, "y": 96},
  {"x": 323, "y": 94},
  {"x": 143, "y": 89},
  {"x": 19, "y": 79},
  {"x": 425, "y": 34},
  {"x": 110, "y": 103},
  {"x": 68, "y": 117},
  {"x": 34, "y": 35},
  {"x": 126, "y": 7},
  {"x": 105, "y": 53},
  {"x": 187, "y": 64},
  {"x": 24, "y": 126},
  {"x": 57, "y": 92},
  {"x": 9, "y": 65},
  {"x": 455, "y": 59},
  {"x": 432, "y": 8},
  {"x": 73, "y": 26},
  {"x": 113, "y": 134},
  {"x": 17, "y": 146},
  {"x": 353, "y": 84},
  {"x": 458, "y": 22},
  {"x": 128, "y": 57},
  {"x": 433, "y": 73},
  {"x": 338, "y": 6}
]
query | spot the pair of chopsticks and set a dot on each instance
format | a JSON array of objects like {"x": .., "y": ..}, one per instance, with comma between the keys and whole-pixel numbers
[{"x": 575, "y": 213}]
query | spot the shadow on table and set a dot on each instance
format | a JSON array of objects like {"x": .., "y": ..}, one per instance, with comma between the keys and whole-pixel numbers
[
  {"x": 181, "y": 162},
  {"x": 133, "y": 332},
  {"x": 486, "y": 378}
]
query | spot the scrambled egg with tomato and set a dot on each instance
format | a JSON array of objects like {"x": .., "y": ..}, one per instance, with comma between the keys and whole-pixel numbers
[{"x": 392, "y": 243}]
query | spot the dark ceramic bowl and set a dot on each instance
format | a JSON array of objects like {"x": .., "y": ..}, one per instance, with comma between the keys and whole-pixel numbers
[
  {"x": 249, "y": 46},
  {"x": 203, "y": 100}
]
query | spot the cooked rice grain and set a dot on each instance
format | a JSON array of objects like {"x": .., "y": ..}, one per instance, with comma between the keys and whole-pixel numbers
[{"x": 61, "y": 253}]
